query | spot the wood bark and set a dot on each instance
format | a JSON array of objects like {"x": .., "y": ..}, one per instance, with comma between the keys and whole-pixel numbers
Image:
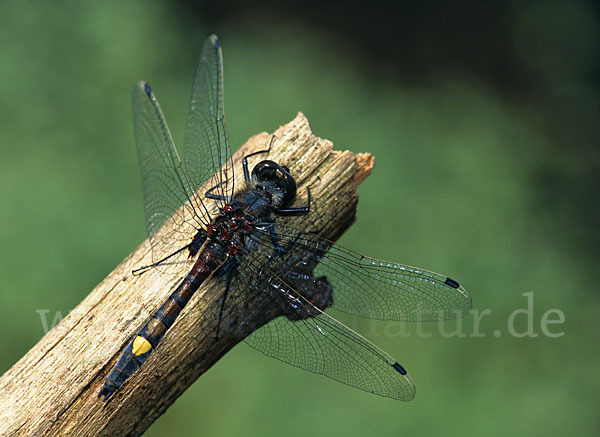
[{"x": 53, "y": 389}]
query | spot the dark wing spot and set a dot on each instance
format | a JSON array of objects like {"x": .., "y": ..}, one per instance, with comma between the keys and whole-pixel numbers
[
  {"x": 147, "y": 89},
  {"x": 399, "y": 368},
  {"x": 452, "y": 283}
]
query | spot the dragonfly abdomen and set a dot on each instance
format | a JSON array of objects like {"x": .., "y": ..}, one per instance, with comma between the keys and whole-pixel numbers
[{"x": 147, "y": 338}]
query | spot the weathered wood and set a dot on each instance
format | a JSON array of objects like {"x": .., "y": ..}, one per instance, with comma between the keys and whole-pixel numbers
[{"x": 53, "y": 389}]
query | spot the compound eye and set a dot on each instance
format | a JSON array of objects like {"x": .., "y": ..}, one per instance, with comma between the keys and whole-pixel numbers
[
  {"x": 287, "y": 185},
  {"x": 264, "y": 170},
  {"x": 278, "y": 175}
]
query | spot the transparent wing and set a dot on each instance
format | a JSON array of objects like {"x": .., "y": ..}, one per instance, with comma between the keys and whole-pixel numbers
[
  {"x": 292, "y": 277},
  {"x": 168, "y": 193},
  {"x": 312, "y": 340},
  {"x": 206, "y": 148},
  {"x": 364, "y": 286}
]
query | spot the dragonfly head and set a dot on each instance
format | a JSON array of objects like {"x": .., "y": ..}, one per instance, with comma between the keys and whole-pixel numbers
[{"x": 280, "y": 180}]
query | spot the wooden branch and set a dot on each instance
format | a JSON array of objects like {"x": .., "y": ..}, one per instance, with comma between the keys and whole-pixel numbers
[{"x": 53, "y": 389}]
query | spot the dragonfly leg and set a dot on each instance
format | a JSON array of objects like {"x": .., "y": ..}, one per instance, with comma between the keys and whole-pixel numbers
[
  {"x": 209, "y": 194},
  {"x": 279, "y": 249},
  {"x": 300, "y": 209},
  {"x": 245, "y": 160}
]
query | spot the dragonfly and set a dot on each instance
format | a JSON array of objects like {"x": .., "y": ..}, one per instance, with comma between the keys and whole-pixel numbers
[{"x": 242, "y": 238}]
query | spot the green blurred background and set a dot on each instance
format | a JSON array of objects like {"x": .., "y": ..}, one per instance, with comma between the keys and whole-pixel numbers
[{"x": 483, "y": 118}]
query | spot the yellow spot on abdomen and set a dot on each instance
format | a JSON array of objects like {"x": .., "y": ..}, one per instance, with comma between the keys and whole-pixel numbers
[{"x": 140, "y": 346}]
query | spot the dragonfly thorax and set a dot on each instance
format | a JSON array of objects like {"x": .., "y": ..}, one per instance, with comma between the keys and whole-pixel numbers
[
  {"x": 229, "y": 229},
  {"x": 271, "y": 187}
]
